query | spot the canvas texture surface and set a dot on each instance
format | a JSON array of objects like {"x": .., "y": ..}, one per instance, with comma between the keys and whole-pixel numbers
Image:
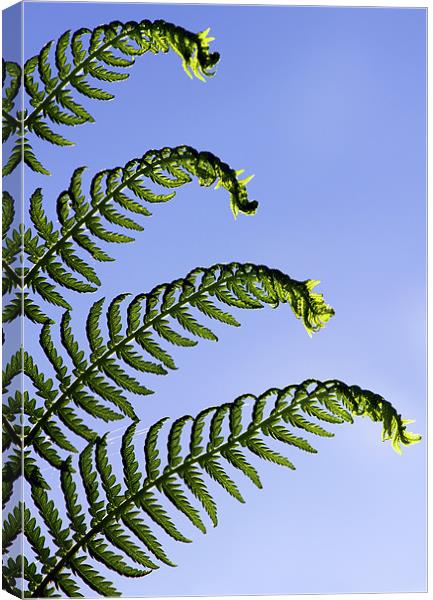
[{"x": 213, "y": 224}]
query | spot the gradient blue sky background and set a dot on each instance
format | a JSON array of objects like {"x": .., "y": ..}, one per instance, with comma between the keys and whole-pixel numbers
[{"x": 327, "y": 107}]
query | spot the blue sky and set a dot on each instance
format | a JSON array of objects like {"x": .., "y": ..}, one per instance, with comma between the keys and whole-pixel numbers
[{"x": 326, "y": 106}]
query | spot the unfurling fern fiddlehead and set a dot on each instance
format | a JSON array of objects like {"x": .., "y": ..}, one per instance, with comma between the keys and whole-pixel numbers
[
  {"x": 50, "y": 76},
  {"x": 222, "y": 440}
]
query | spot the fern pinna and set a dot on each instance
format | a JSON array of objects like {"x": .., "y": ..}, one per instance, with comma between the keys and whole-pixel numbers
[{"x": 99, "y": 522}]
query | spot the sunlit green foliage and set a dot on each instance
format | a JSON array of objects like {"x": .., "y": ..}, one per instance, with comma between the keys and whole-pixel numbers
[
  {"x": 68, "y": 68},
  {"x": 121, "y": 516}
]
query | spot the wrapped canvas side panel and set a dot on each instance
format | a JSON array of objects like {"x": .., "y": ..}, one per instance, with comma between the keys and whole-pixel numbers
[{"x": 13, "y": 333}]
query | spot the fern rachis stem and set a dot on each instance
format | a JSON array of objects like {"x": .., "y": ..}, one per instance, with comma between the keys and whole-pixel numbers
[
  {"x": 65, "y": 395},
  {"x": 152, "y": 483}
]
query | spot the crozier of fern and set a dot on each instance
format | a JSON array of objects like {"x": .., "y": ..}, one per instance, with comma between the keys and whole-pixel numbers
[{"x": 119, "y": 525}]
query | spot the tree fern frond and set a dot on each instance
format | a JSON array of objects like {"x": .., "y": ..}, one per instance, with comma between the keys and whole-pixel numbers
[
  {"x": 43, "y": 131},
  {"x": 151, "y": 451},
  {"x": 82, "y": 224},
  {"x": 74, "y": 62},
  {"x": 149, "y": 315},
  {"x": 73, "y": 422},
  {"x": 282, "y": 407}
]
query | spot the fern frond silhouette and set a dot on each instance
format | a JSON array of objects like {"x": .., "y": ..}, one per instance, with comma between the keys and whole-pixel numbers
[
  {"x": 222, "y": 440},
  {"x": 74, "y": 62}
]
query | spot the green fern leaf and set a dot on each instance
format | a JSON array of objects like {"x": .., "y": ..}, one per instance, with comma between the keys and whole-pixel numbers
[
  {"x": 174, "y": 442},
  {"x": 145, "y": 535},
  {"x": 98, "y": 550},
  {"x": 8, "y": 212},
  {"x": 238, "y": 460},
  {"x": 148, "y": 313},
  {"x": 23, "y": 305},
  {"x": 82, "y": 223},
  {"x": 42, "y": 130},
  {"x": 51, "y": 100},
  {"x": 216, "y": 424},
  {"x": 47, "y": 452},
  {"x": 51, "y": 518},
  {"x": 14, "y": 159},
  {"x": 156, "y": 512},
  {"x": 26, "y": 152},
  {"x": 94, "y": 408},
  {"x": 92, "y": 578},
  {"x": 215, "y": 470},
  {"x": 108, "y": 392},
  {"x": 12, "y": 527},
  {"x": 93, "y": 328},
  {"x": 171, "y": 488},
  {"x": 283, "y": 435},
  {"x": 114, "y": 534},
  {"x": 70, "y": 344},
  {"x": 258, "y": 447},
  {"x": 148, "y": 344},
  {"x": 129, "y": 460},
  {"x": 48, "y": 292},
  {"x": 57, "y": 436},
  {"x": 120, "y": 511},
  {"x": 195, "y": 483},
  {"x": 36, "y": 539},
  {"x": 108, "y": 480},
  {"x": 74, "y": 510},
  {"x": 72, "y": 422},
  {"x": 151, "y": 451}
]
